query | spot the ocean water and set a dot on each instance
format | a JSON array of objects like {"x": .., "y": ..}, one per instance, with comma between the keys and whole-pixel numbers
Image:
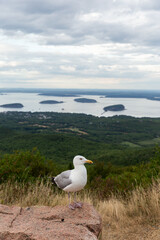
[{"x": 136, "y": 107}]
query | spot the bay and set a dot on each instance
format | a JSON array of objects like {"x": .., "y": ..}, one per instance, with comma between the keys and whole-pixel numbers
[{"x": 136, "y": 107}]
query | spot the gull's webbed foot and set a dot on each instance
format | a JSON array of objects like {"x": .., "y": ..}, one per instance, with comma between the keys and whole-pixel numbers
[
  {"x": 71, "y": 206},
  {"x": 78, "y": 205}
]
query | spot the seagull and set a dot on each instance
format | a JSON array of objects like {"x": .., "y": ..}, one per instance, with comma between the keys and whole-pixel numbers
[{"x": 73, "y": 180}]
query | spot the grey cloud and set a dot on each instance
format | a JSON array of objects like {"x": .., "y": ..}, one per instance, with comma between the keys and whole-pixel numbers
[
  {"x": 59, "y": 22},
  {"x": 49, "y": 38}
]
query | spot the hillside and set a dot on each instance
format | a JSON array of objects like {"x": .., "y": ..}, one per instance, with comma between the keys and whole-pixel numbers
[
  {"x": 120, "y": 140},
  {"x": 120, "y": 147}
]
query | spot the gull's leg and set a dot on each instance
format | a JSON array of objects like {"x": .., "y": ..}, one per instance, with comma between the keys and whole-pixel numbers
[
  {"x": 69, "y": 200},
  {"x": 77, "y": 204},
  {"x": 75, "y": 194}
]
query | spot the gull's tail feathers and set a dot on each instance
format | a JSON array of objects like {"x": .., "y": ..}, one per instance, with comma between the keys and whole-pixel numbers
[{"x": 53, "y": 181}]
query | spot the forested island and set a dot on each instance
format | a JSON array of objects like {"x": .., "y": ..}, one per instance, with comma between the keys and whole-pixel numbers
[
  {"x": 50, "y": 102},
  {"x": 12, "y": 105},
  {"x": 85, "y": 100},
  {"x": 117, "y": 107}
]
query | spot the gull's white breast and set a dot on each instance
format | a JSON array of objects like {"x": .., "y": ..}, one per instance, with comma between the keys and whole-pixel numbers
[{"x": 79, "y": 179}]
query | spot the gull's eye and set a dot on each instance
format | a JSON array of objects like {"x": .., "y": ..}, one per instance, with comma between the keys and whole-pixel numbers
[{"x": 81, "y": 158}]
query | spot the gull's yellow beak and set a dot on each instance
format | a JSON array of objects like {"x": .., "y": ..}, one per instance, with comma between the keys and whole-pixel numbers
[{"x": 89, "y": 161}]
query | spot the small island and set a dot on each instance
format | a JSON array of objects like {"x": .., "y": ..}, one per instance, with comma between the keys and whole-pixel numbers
[
  {"x": 85, "y": 100},
  {"x": 12, "y": 105},
  {"x": 117, "y": 107},
  {"x": 50, "y": 102}
]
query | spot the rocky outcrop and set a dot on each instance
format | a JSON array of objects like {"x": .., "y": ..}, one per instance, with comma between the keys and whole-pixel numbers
[{"x": 47, "y": 223}]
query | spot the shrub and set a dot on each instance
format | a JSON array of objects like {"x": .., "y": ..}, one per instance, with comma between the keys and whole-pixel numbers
[{"x": 24, "y": 166}]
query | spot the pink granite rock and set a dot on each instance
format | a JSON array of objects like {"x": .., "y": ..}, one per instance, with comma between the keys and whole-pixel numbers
[{"x": 46, "y": 223}]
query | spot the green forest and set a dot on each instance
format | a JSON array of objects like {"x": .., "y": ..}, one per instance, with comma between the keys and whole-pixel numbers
[{"x": 125, "y": 150}]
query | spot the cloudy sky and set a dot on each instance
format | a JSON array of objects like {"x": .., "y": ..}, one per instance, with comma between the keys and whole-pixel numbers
[{"x": 111, "y": 44}]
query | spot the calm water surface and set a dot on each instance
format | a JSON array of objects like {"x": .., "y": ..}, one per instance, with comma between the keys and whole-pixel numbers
[{"x": 134, "y": 107}]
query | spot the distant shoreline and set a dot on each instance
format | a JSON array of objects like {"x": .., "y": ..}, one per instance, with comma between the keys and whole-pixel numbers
[
  {"x": 106, "y": 93},
  {"x": 57, "y": 95}
]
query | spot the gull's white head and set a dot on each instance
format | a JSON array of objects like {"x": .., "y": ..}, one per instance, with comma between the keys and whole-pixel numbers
[{"x": 80, "y": 160}]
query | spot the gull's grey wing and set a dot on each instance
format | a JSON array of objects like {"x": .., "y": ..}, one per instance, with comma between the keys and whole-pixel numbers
[{"x": 62, "y": 180}]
